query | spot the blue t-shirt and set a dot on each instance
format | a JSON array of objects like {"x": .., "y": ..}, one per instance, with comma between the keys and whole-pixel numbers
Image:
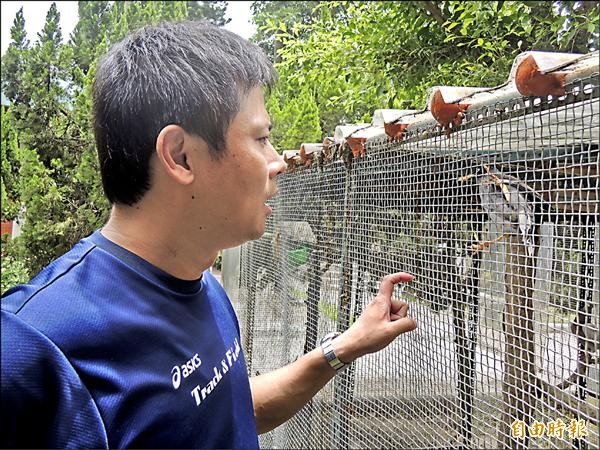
[{"x": 102, "y": 349}]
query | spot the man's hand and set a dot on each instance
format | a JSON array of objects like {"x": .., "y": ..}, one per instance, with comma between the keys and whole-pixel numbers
[
  {"x": 278, "y": 395},
  {"x": 381, "y": 322}
]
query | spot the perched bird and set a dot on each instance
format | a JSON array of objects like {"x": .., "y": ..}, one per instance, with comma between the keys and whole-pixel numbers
[
  {"x": 447, "y": 113},
  {"x": 532, "y": 82},
  {"x": 506, "y": 201},
  {"x": 297, "y": 158},
  {"x": 290, "y": 158},
  {"x": 306, "y": 157},
  {"x": 310, "y": 152},
  {"x": 357, "y": 146},
  {"x": 395, "y": 130}
]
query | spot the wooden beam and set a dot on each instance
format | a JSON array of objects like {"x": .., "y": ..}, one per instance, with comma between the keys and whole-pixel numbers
[{"x": 519, "y": 381}]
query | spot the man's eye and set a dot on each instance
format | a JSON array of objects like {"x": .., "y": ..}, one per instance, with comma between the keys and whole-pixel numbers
[{"x": 264, "y": 140}]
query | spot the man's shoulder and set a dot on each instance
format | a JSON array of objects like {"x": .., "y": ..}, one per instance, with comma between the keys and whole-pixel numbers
[
  {"x": 55, "y": 274},
  {"x": 43, "y": 398},
  {"x": 59, "y": 300}
]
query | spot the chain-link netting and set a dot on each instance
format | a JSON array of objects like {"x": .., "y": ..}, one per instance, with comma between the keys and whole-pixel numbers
[{"x": 498, "y": 223}]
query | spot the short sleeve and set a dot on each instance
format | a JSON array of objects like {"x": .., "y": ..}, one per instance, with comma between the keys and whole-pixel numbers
[{"x": 44, "y": 402}]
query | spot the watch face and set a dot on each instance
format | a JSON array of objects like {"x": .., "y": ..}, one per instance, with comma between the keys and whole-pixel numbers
[{"x": 329, "y": 353}]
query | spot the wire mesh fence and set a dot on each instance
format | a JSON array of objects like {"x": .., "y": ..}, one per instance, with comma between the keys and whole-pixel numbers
[{"x": 498, "y": 223}]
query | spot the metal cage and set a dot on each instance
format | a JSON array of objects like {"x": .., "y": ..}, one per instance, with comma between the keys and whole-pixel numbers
[{"x": 497, "y": 220}]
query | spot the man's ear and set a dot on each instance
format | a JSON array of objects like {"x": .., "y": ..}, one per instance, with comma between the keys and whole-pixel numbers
[{"x": 173, "y": 154}]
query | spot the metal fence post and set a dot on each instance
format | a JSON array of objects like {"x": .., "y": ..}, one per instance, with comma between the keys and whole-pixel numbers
[{"x": 343, "y": 387}]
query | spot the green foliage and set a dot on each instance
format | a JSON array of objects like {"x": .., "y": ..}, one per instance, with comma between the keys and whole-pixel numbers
[
  {"x": 337, "y": 61},
  {"x": 355, "y": 56},
  {"x": 9, "y": 171},
  {"x": 13, "y": 270},
  {"x": 269, "y": 16},
  {"x": 299, "y": 117},
  {"x": 124, "y": 17},
  {"x": 50, "y": 174},
  {"x": 213, "y": 11},
  {"x": 89, "y": 31},
  {"x": 13, "y": 62}
]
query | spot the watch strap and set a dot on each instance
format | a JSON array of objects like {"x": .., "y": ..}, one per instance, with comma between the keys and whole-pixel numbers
[{"x": 329, "y": 353}]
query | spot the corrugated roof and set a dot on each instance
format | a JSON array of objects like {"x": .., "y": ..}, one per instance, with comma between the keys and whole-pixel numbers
[{"x": 533, "y": 74}]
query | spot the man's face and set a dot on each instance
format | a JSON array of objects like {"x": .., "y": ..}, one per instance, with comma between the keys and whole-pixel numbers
[{"x": 243, "y": 179}]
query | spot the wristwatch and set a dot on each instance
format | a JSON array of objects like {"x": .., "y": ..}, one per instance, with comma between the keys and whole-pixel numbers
[{"x": 329, "y": 354}]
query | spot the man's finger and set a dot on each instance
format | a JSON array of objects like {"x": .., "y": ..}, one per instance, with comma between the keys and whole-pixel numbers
[
  {"x": 403, "y": 325},
  {"x": 389, "y": 281},
  {"x": 398, "y": 308}
]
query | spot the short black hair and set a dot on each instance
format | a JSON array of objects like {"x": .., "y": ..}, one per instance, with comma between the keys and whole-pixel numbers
[{"x": 191, "y": 73}]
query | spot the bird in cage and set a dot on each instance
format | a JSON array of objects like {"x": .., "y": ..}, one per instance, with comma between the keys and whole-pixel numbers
[{"x": 506, "y": 200}]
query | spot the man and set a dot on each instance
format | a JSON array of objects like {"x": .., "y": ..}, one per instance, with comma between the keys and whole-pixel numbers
[{"x": 127, "y": 340}]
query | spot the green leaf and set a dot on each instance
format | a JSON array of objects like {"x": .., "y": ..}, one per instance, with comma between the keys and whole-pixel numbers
[{"x": 592, "y": 28}]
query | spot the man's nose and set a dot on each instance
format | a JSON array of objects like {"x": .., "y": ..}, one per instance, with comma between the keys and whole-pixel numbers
[{"x": 277, "y": 165}]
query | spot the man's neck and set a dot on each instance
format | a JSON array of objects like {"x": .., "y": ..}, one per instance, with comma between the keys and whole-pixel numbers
[{"x": 157, "y": 242}]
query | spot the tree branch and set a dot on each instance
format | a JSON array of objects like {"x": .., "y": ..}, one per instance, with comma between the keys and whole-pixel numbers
[
  {"x": 589, "y": 5},
  {"x": 556, "y": 398},
  {"x": 435, "y": 12}
]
